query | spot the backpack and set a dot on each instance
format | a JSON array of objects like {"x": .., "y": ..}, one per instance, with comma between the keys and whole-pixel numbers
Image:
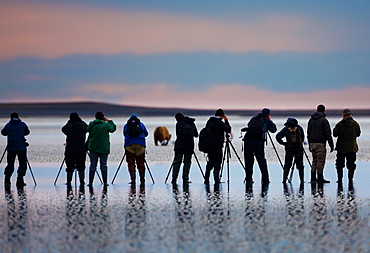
[
  {"x": 206, "y": 143},
  {"x": 293, "y": 136},
  {"x": 133, "y": 127},
  {"x": 254, "y": 130},
  {"x": 185, "y": 130}
]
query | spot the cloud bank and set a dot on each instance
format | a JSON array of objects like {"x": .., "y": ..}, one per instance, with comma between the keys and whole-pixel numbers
[{"x": 50, "y": 30}]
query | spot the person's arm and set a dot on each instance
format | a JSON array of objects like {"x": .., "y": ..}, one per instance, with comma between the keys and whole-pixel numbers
[
  {"x": 112, "y": 127},
  {"x": 227, "y": 127},
  {"x": 336, "y": 130},
  {"x": 302, "y": 133},
  {"x": 4, "y": 131},
  {"x": 280, "y": 136},
  {"x": 327, "y": 133},
  {"x": 145, "y": 131},
  {"x": 358, "y": 130},
  {"x": 26, "y": 129}
]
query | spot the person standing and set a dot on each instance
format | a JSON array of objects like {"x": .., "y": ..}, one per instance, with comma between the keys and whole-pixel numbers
[
  {"x": 347, "y": 130},
  {"x": 75, "y": 150},
  {"x": 184, "y": 146},
  {"x": 294, "y": 137},
  {"x": 134, "y": 133},
  {"x": 16, "y": 130},
  {"x": 254, "y": 141},
  {"x": 99, "y": 145},
  {"x": 318, "y": 133},
  {"x": 218, "y": 129}
]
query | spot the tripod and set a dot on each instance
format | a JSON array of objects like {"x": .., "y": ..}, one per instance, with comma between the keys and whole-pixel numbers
[
  {"x": 28, "y": 164},
  {"x": 196, "y": 158},
  {"x": 227, "y": 156},
  {"x": 119, "y": 167},
  {"x": 61, "y": 166}
]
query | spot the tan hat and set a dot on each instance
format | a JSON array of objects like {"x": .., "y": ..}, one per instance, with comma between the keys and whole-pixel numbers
[{"x": 347, "y": 112}]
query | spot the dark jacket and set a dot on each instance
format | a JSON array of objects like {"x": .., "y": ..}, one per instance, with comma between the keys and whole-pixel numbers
[
  {"x": 318, "y": 129},
  {"x": 75, "y": 131},
  {"x": 290, "y": 123},
  {"x": 347, "y": 130},
  {"x": 219, "y": 128},
  {"x": 185, "y": 144},
  {"x": 268, "y": 125},
  {"x": 15, "y": 130}
]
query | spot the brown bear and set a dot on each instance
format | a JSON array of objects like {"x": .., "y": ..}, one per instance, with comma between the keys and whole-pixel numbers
[{"x": 162, "y": 135}]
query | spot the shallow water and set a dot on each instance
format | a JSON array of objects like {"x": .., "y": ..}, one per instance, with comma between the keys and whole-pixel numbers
[{"x": 160, "y": 218}]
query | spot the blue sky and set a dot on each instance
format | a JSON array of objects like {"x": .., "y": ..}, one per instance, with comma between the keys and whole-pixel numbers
[{"x": 191, "y": 54}]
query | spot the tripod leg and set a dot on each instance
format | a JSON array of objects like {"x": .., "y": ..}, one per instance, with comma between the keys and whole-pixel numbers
[
  {"x": 223, "y": 161},
  {"x": 119, "y": 166},
  {"x": 29, "y": 166},
  {"x": 97, "y": 173},
  {"x": 2, "y": 157},
  {"x": 196, "y": 158},
  {"x": 277, "y": 154},
  {"x": 291, "y": 173},
  {"x": 150, "y": 173},
  {"x": 168, "y": 174},
  {"x": 241, "y": 163},
  {"x": 61, "y": 166}
]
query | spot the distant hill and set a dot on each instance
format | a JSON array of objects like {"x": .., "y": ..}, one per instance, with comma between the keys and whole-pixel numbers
[{"x": 89, "y": 108}]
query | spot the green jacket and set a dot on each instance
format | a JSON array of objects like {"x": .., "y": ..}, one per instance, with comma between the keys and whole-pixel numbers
[
  {"x": 98, "y": 140},
  {"x": 347, "y": 130}
]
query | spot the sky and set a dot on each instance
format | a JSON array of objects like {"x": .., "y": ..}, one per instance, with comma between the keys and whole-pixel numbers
[{"x": 205, "y": 54}]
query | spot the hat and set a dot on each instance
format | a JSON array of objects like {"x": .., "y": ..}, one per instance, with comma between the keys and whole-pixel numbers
[
  {"x": 347, "y": 112},
  {"x": 321, "y": 108},
  {"x": 14, "y": 115},
  {"x": 266, "y": 111},
  {"x": 179, "y": 116},
  {"x": 99, "y": 115},
  {"x": 220, "y": 112},
  {"x": 133, "y": 115}
]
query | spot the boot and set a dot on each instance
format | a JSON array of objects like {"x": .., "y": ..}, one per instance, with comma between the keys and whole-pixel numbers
[
  {"x": 206, "y": 176},
  {"x": 104, "y": 175},
  {"x": 313, "y": 178},
  {"x": 81, "y": 175},
  {"x": 7, "y": 182},
  {"x": 285, "y": 175},
  {"x": 216, "y": 176},
  {"x": 340, "y": 176},
  {"x": 133, "y": 178},
  {"x": 185, "y": 173},
  {"x": 69, "y": 178},
  {"x": 20, "y": 182},
  {"x": 301, "y": 175},
  {"x": 175, "y": 173},
  {"x": 91, "y": 178},
  {"x": 351, "y": 173},
  {"x": 320, "y": 179},
  {"x": 142, "y": 178}
]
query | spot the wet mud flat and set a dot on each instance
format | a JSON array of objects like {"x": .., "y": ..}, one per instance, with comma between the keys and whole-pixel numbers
[{"x": 186, "y": 218}]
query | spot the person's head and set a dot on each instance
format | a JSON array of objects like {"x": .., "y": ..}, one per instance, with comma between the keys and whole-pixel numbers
[
  {"x": 99, "y": 115},
  {"x": 321, "y": 108},
  {"x": 266, "y": 111},
  {"x": 179, "y": 116},
  {"x": 220, "y": 113},
  {"x": 74, "y": 117},
  {"x": 14, "y": 115},
  {"x": 347, "y": 113}
]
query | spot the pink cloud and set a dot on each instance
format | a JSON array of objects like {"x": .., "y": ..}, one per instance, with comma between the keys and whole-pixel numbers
[
  {"x": 51, "y": 30},
  {"x": 227, "y": 96}
]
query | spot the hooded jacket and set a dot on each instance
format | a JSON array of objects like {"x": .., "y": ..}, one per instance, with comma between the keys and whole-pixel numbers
[
  {"x": 318, "y": 129},
  {"x": 128, "y": 140},
  {"x": 290, "y": 123},
  {"x": 268, "y": 125},
  {"x": 185, "y": 144},
  {"x": 15, "y": 130},
  {"x": 219, "y": 128},
  {"x": 75, "y": 131},
  {"x": 347, "y": 130},
  {"x": 99, "y": 135}
]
